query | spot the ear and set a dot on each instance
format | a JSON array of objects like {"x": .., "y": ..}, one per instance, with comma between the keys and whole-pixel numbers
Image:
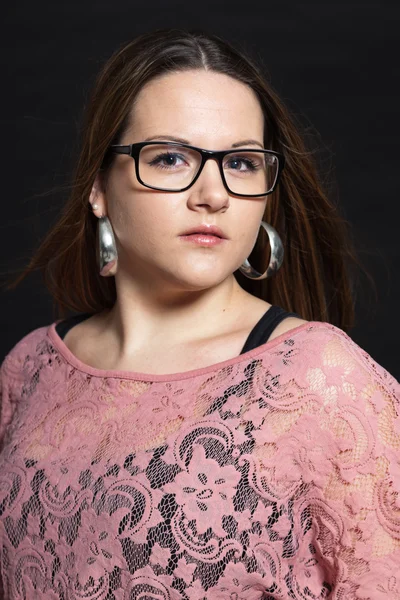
[{"x": 97, "y": 197}]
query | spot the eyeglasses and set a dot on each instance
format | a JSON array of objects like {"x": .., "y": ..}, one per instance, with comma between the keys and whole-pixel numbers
[{"x": 174, "y": 167}]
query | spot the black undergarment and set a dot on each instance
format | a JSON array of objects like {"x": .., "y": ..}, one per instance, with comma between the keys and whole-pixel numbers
[{"x": 258, "y": 335}]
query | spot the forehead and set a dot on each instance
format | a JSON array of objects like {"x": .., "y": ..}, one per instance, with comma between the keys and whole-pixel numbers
[{"x": 196, "y": 105}]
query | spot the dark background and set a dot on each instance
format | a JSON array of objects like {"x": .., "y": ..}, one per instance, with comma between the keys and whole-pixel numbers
[{"x": 335, "y": 64}]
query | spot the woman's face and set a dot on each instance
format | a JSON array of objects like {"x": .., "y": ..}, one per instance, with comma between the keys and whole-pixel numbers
[{"x": 208, "y": 110}]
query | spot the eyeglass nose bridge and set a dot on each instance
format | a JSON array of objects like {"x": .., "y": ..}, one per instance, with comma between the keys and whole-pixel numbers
[{"x": 217, "y": 155}]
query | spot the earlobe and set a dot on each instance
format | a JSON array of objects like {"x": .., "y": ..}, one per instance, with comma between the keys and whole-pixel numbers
[{"x": 96, "y": 198}]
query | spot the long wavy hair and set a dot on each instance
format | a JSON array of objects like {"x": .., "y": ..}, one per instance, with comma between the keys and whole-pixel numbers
[{"x": 317, "y": 278}]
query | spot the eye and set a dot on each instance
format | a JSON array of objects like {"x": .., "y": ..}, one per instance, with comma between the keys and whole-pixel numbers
[
  {"x": 241, "y": 163},
  {"x": 167, "y": 160}
]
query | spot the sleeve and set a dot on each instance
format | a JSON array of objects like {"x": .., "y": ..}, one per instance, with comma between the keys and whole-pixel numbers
[
  {"x": 13, "y": 373},
  {"x": 7, "y": 398},
  {"x": 332, "y": 439},
  {"x": 363, "y": 488}
]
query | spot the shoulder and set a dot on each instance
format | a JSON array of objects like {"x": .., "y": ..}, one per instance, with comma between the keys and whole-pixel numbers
[
  {"x": 18, "y": 365},
  {"x": 286, "y": 325},
  {"x": 26, "y": 347},
  {"x": 338, "y": 351},
  {"x": 322, "y": 352}
]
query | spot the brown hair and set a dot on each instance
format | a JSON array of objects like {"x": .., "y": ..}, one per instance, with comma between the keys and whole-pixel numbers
[{"x": 316, "y": 279}]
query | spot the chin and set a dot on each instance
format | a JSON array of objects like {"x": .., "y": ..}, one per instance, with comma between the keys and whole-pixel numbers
[{"x": 197, "y": 281}]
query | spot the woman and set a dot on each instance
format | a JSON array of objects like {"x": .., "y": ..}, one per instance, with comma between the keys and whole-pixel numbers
[{"x": 182, "y": 436}]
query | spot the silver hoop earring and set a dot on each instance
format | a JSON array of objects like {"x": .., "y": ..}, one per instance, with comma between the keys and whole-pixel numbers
[
  {"x": 275, "y": 260},
  {"x": 107, "y": 255}
]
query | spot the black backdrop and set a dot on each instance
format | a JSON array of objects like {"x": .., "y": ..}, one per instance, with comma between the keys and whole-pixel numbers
[{"x": 335, "y": 63}]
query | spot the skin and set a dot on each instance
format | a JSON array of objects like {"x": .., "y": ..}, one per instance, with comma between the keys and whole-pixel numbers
[{"x": 178, "y": 305}]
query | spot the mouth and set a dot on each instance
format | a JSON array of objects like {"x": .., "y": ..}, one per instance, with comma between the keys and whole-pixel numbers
[
  {"x": 203, "y": 239},
  {"x": 211, "y": 231}
]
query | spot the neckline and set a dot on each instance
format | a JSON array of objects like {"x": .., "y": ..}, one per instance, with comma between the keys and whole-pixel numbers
[{"x": 81, "y": 366}]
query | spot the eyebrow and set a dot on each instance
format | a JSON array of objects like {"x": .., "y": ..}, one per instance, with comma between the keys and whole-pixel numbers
[{"x": 171, "y": 138}]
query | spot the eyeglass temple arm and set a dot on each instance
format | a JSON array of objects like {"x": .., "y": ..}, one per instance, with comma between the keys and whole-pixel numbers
[{"x": 118, "y": 149}]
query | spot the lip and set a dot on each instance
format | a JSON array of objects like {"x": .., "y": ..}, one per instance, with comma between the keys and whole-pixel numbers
[{"x": 208, "y": 230}]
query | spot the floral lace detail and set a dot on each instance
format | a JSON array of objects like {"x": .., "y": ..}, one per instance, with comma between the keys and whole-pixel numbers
[{"x": 272, "y": 476}]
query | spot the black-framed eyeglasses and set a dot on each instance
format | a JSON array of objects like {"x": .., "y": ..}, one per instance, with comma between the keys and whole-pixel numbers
[{"x": 174, "y": 167}]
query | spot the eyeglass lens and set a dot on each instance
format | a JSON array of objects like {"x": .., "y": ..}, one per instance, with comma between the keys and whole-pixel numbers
[{"x": 175, "y": 167}]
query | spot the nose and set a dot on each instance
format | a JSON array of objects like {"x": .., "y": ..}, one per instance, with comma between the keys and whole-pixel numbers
[{"x": 209, "y": 190}]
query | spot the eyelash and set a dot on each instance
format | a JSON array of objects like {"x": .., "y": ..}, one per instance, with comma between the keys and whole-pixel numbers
[
  {"x": 251, "y": 164},
  {"x": 157, "y": 159}
]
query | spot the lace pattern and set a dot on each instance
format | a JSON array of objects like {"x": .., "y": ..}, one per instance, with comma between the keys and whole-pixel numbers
[{"x": 272, "y": 476}]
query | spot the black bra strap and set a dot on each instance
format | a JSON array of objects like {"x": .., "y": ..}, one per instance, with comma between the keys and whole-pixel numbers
[
  {"x": 63, "y": 327},
  {"x": 258, "y": 335},
  {"x": 262, "y": 330}
]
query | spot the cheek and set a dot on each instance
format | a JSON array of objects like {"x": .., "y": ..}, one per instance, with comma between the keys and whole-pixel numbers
[
  {"x": 136, "y": 222},
  {"x": 142, "y": 219},
  {"x": 250, "y": 217}
]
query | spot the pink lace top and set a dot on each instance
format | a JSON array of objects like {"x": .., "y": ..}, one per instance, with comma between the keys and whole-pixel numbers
[{"x": 272, "y": 475}]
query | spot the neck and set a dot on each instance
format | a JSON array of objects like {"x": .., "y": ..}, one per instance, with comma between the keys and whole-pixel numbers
[{"x": 143, "y": 313}]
